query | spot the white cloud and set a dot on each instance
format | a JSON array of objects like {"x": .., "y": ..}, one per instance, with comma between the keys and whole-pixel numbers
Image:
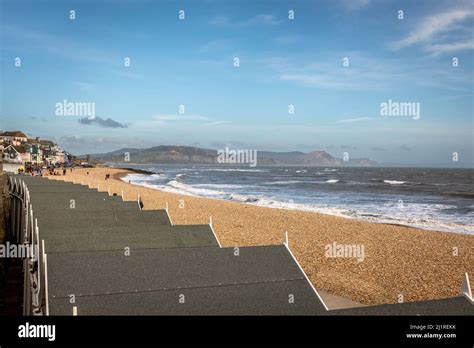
[
  {"x": 217, "y": 123},
  {"x": 353, "y": 120},
  {"x": 174, "y": 118},
  {"x": 183, "y": 120},
  {"x": 430, "y": 31},
  {"x": 261, "y": 19},
  {"x": 267, "y": 19},
  {"x": 450, "y": 47},
  {"x": 366, "y": 73}
]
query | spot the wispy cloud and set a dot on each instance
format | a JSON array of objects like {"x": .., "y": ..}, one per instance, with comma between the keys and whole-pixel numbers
[
  {"x": 260, "y": 19},
  {"x": 185, "y": 121},
  {"x": 433, "y": 31},
  {"x": 217, "y": 123},
  {"x": 353, "y": 120},
  {"x": 352, "y": 5},
  {"x": 84, "y": 86},
  {"x": 176, "y": 118},
  {"x": 265, "y": 19},
  {"x": 450, "y": 47},
  {"x": 366, "y": 74},
  {"x": 98, "y": 121},
  {"x": 56, "y": 45}
]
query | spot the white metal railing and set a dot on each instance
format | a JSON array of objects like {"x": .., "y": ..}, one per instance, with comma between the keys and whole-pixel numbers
[{"x": 25, "y": 230}]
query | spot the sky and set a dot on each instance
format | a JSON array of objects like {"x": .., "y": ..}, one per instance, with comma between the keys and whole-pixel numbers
[{"x": 284, "y": 63}]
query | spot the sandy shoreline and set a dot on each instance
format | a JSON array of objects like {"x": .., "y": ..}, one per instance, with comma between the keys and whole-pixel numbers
[{"x": 398, "y": 260}]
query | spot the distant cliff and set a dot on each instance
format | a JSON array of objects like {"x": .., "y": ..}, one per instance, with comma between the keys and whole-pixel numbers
[{"x": 193, "y": 155}]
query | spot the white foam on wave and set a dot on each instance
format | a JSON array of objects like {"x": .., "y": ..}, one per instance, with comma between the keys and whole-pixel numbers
[
  {"x": 394, "y": 182},
  {"x": 235, "y": 170},
  {"x": 192, "y": 190},
  {"x": 142, "y": 177},
  {"x": 221, "y": 186},
  {"x": 332, "y": 181}
]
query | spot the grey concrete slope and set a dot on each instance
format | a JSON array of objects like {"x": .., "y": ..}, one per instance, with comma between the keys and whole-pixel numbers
[
  {"x": 241, "y": 299},
  {"x": 44, "y": 183},
  {"x": 216, "y": 280},
  {"x": 41, "y": 181},
  {"x": 448, "y": 306},
  {"x": 165, "y": 237},
  {"x": 99, "y": 222},
  {"x": 80, "y": 219},
  {"x": 80, "y": 200},
  {"x": 133, "y": 230},
  {"x": 59, "y": 188}
]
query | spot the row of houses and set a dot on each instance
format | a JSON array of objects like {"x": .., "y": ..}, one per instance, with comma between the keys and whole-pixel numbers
[{"x": 19, "y": 150}]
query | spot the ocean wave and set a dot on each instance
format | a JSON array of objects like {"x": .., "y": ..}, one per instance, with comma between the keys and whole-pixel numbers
[
  {"x": 192, "y": 190},
  {"x": 244, "y": 198},
  {"x": 284, "y": 182},
  {"x": 221, "y": 186},
  {"x": 143, "y": 177},
  {"x": 394, "y": 182},
  {"x": 332, "y": 181},
  {"x": 179, "y": 176},
  {"x": 235, "y": 170}
]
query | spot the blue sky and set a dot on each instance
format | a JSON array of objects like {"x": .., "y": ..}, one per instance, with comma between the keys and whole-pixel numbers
[{"x": 190, "y": 62}]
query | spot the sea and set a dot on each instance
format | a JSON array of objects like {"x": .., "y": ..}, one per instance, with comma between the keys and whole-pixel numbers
[{"x": 427, "y": 198}]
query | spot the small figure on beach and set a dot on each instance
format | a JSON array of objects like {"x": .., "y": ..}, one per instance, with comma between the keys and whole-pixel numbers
[
  {"x": 64, "y": 172},
  {"x": 107, "y": 176}
]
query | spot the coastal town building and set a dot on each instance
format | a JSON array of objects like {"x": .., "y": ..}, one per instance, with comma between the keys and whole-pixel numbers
[
  {"x": 19, "y": 152},
  {"x": 13, "y": 137}
]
